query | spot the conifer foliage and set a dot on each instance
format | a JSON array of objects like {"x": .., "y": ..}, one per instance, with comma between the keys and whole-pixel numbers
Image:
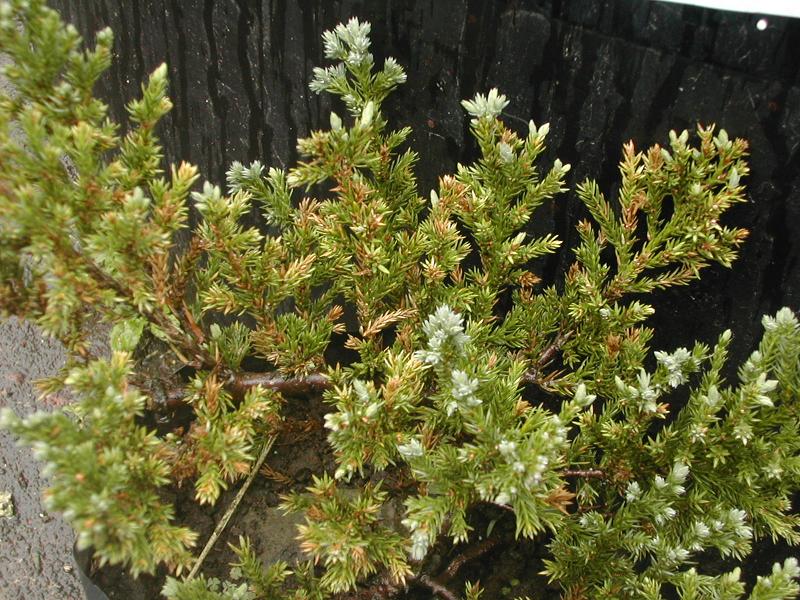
[{"x": 546, "y": 410}]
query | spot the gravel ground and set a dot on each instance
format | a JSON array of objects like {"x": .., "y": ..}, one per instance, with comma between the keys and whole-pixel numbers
[{"x": 35, "y": 547}]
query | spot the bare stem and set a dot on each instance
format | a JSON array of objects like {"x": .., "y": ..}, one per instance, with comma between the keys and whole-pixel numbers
[
  {"x": 436, "y": 587},
  {"x": 534, "y": 374},
  {"x": 316, "y": 382},
  {"x": 471, "y": 553},
  {"x": 583, "y": 473},
  {"x": 223, "y": 522},
  {"x": 239, "y": 383}
]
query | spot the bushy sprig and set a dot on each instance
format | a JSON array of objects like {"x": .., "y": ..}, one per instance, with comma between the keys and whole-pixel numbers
[
  {"x": 346, "y": 535},
  {"x": 105, "y": 470}
]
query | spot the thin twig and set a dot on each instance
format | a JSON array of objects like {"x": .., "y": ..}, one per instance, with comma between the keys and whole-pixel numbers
[
  {"x": 550, "y": 352},
  {"x": 534, "y": 374},
  {"x": 241, "y": 382},
  {"x": 316, "y": 382},
  {"x": 583, "y": 473},
  {"x": 471, "y": 553},
  {"x": 436, "y": 587},
  {"x": 223, "y": 522}
]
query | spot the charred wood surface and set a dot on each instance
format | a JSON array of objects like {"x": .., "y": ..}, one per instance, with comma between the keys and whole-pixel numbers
[{"x": 600, "y": 72}]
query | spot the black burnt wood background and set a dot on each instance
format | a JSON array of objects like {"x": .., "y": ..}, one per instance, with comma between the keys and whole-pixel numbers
[{"x": 600, "y": 72}]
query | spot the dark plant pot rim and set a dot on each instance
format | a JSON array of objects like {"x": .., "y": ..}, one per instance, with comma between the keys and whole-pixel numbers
[{"x": 83, "y": 559}]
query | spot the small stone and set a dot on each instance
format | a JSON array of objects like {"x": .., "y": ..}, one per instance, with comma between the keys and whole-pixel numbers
[
  {"x": 6, "y": 505},
  {"x": 16, "y": 377}
]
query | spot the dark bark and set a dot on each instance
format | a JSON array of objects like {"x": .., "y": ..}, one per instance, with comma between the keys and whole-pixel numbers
[{"x": 600, "y": 73}]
